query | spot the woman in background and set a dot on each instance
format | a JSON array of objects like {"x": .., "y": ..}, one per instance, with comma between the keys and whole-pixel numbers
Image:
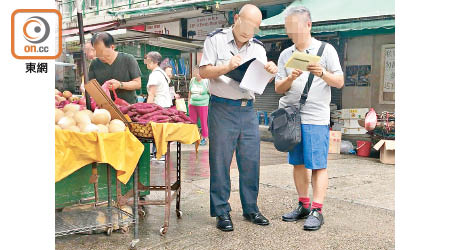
[{"x": 198, "y": 101}]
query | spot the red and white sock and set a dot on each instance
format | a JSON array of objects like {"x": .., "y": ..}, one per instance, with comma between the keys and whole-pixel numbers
[
  {"x": 304, "y": 201},
  {"x": 317, "y": 205}
]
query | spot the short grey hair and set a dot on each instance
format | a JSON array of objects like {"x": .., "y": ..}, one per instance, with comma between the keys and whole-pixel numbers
[
  {"x": 299, "y": 10},
  {"x": 155, "y": 57}
]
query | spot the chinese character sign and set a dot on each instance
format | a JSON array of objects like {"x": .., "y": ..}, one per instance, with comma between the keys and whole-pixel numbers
[
  {"x": 389, "y": 70},
  {"x": 198, "y": 28},
  {"x": 172, "y": 28}
]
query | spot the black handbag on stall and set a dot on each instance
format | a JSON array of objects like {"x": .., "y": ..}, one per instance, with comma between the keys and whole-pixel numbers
[{"x": 285, "y": 123}]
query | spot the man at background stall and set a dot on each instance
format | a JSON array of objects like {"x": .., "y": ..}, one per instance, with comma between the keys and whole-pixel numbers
[
  {"x": 121, "y": 70},
  {"x": 233, "y": 125}
]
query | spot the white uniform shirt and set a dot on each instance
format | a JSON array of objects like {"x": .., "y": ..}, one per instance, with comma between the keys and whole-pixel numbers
[{"x": 217, "y": 51}]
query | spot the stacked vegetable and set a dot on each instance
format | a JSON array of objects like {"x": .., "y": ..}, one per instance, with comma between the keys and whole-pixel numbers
[
  {"x": 72, "y": 118},
  {"x": 66, "y": 97},
  {"x": 144, "y": 113}
]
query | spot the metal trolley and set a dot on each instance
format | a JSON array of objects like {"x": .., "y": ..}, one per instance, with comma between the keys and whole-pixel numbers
[
  {"x": 172, "y": 190},
  {"x": 101, "y": 217}
]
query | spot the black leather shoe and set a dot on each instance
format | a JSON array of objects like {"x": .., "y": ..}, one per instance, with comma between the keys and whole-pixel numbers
[
  {"x": 224, "y": 222},
  {"x": 257, "y": 218},
  {"x": 299, "y": 213}
]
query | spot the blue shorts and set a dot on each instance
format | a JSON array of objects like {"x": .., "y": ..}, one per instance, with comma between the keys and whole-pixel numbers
[{"x": 313, "y": 150}]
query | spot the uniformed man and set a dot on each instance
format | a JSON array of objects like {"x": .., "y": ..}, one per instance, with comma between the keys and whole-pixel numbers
[{"x": 233, "y": 125}]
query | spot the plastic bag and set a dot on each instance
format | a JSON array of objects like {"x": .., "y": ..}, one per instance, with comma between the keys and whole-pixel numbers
[
  {"x": 181, "y": 105},
  {"x": 371, "y": 120},
  {"x": 346, "y": 147},
  {"x": 105, "y": 88},
  {"x": 118, "y": 101}
]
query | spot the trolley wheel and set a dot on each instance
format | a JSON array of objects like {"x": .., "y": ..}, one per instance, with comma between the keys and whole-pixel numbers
[
  {"x": 163, "y": 231},
  {"x": 109, "y": 231},
  {"x": 124, "y": 230},
  {"x": 133, "y": 244},
  {"x": 141, "y": 212},
  {"x": 179, "y": 213}
]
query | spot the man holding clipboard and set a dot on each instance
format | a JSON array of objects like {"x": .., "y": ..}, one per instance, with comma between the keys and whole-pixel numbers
[
  {"x": 312, "y": 152},
  {"x": 232, "y": 121}
]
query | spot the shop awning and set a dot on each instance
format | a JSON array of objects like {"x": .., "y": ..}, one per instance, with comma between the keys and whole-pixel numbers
[
  {"x": 98, "y": 27},
  {"x": 338, "y": 15},
  {"x": 164, "y": 7},
  {"x": 159, "y": 40}
]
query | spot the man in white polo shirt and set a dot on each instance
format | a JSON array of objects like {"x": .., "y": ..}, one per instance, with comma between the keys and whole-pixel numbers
[{"x": 311, "y": 154}]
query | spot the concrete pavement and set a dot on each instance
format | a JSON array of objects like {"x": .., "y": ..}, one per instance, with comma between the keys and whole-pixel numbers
[{"x": 358, "y": 211}]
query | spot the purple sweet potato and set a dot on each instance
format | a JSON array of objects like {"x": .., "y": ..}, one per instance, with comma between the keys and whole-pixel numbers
[
  {"x": 166, "y": 112},
  {"x": 184, "y": 116},
  {"x": 177, "y": 119},
  {"x": 143, "y": 105},
  {"x": 132, "y": 114},
  {"x": 157, "y": 112},
  {"x": 160, "y": 117},
  {"x": 124, "y": 109},
  {"x": 144, "y": 111},
  {"x": 163, "y": 120},
  {"x": 172, "y": 111}
]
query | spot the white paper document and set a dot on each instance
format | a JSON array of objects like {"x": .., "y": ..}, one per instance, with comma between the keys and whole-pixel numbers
[{"x": 256, "y": 77}]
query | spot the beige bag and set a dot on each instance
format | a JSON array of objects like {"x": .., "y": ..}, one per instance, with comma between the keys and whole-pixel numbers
[{"x": 181, "y": 105}]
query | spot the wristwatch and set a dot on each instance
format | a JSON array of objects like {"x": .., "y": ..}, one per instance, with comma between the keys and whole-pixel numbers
[
  {"x": 121, "y": 84},
  {"x": 322, "y": 73}
]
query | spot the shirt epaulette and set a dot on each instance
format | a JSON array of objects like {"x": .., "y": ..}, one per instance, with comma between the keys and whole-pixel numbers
[
  {"x": 215, "y": 32},
  {"x": 258, "y": 42}
]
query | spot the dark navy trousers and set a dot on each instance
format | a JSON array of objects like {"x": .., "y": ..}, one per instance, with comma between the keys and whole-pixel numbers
[{"x": 233, "y": 128}]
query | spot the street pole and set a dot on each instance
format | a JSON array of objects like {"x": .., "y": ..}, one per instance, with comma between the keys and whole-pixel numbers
[{"x": 83, "y": 55}]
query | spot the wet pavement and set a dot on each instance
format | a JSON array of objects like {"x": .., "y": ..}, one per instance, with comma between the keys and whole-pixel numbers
[{"x": 358, "y": 211}]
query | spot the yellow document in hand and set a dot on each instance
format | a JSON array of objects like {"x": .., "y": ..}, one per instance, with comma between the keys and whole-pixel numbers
[{"x": 300, "y": 60}]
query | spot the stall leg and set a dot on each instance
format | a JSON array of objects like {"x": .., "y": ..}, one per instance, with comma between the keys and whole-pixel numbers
[
  {"x": 94, "y": 180},
  {"x": 178, "y": 211},
  {"x": 135, "y": 209},
  {"x": 168, "y": 193},
  {"x": 108, "y": 176}
]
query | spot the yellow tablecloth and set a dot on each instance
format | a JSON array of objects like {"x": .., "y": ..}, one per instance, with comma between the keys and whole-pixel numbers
[
  {"x": 165, "y": 132},
  {"x": 74, "y": 150}
]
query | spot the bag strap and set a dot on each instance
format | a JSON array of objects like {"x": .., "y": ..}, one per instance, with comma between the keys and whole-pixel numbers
[
  {"x": 310, "y": 78},
  {"x": 163, "y": 73}
]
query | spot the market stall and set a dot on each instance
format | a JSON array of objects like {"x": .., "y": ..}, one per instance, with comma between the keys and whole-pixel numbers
[{"x": 120, "y": 143}]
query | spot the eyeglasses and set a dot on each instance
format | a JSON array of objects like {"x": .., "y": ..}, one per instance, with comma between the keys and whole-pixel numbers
[{"x": 247, "y": 26}]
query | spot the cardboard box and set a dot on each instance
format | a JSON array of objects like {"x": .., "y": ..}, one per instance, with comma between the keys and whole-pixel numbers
[
  {"x": 335, "y": 142},
  {"x": 103, "y": 101},
  {"x": 387, "y": 151},
  {"x": 354, "y": 113}
]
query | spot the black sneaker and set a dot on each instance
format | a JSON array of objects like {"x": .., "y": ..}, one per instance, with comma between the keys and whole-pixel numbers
[
  {"x": 299, "y": 213},
  {"x": 314, "y": 220}
]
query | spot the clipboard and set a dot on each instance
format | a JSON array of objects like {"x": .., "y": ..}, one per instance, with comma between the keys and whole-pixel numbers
[
  {"x": 238, "y": 73},
  {"x": 300, "y": 60}
]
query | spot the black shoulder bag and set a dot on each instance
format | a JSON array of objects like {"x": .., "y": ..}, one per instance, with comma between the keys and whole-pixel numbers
[{"x": 285, "y": 123}]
